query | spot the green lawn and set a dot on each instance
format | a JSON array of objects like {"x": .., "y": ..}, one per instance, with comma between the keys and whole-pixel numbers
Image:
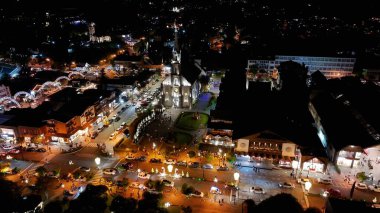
[
  {"x": 186, "y": 121},
  {"x": 182, "y": 138}
]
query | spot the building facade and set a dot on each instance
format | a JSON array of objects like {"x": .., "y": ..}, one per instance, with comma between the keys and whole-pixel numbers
[{"x": 331, "y": 67}]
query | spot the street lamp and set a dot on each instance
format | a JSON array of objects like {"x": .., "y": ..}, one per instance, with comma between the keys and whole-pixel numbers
[
  {"x": 170, "y": 168},
  {"x": 307, "y": 186},
  {"x": 295, "y": 167},
  {"x": 97, "y": 162},
  {"x": 215, "y": 179}
]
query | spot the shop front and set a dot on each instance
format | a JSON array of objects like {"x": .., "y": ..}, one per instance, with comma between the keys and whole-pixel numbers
[
  {"x": 7, "y": 135},
  {"x": 76, "y": 136},
  {"x": 314, "y": 165},
  {"x": 350, "y": 159}
]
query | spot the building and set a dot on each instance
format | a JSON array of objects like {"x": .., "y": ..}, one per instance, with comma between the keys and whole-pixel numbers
[
  {"x": 331, "y": 67},
  {"x": 4, "y": 91},
  {"x": 176, "y": 90},
  {"x": 349, "y": 104},
  {"x": 10, "y": 69}
]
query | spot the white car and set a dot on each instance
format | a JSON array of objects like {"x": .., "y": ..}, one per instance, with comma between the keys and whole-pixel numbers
[
  {"x": 143, "y": 175},
  {"x": 109, "y": 171},
  {"x": 7, "y": 146},
  {"x": 215, "y": 190},
  {"x": 325, "y": 180},
  {"x": 112, "y": 136},
  {"x": 375, "y": 188},
  {"x": 123, "y": 124},
  {"x": 136, "y": 185},
  {"x": 130, "y": 157},
  {"x": 169, "y": 161},
  {"x": 361, "y": 186},
  {"x": 303, "y": 180},
  {"x": 286, "y": 185},
  {"x": 257, "y": 190},
  {"x": 197, "y": 194},
  {"x": 207, "y": 166}
]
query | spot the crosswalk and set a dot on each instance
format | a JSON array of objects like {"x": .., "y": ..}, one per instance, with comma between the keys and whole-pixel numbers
[{"x": 97, "y": 179}]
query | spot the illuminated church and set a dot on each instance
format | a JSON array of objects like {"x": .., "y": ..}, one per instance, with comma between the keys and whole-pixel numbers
[{"x": 176, "y": 90}]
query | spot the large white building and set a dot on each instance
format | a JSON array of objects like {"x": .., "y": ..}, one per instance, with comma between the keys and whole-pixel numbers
[{"x": 331, "y": 67}]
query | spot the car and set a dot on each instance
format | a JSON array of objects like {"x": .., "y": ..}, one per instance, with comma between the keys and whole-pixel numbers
[
  {"x": 168, "y": 183},
  {"x": 375, "y": 188},
  {"x": 127, "y": 165},
  {"x": 155, "y": 160},
  {"x": 222, "y": 168},
  {"x": 117, "y": 118},
  {"x": 207, "y": 166},
  {"x": 325, "y": 180},
  {"x": 197, "y": 193},
  {"x": 112, "y": 136},
  {"x": 94, "y": 135},
  {"x": 120, "y": 128},
  {"x": 109, "y": 171},
  {"x": 193, "y": 164},
  {"x": 231, "y": 185},
  {"x": 303, "y": 180},
  {"x": 169, "y": 161},
  {"x": 286, "y": 185},
  {"x": 137, "y": 185},
  {"x": 14, "y": 151},
  {"x": 215, "y": 190},
  {"x": 332, "y": 193},
  {"x": 257, "y": 190},
  {"x": 143, "y": 175},
  {"x": 30, "y": 149},
  {"x": 123, "y": 124},
  {"x": 181, "y": 163},
  {"x": 130, "y": 157},
  {"x": 41, "y": 150},
  {"x": 361, "y": 186},
  {"x": 84, "y": 169},
  {"x": 141, "y": 158},
  {"x": 7, "y": 146}
]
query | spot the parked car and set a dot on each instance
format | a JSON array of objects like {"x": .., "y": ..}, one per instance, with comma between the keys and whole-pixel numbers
[
  {"x": 286, "y": 185},
  {"x": 197, "y": 193},
  {"x": 130, "y": 157},
  {"x": 303, "y": 180},
  {"x": 143, "y": 175},
  {"x": 331, "y": 193},
  {"x": 215, "y": 190},
  {"x": 141, "y": 158},
  {"x": 207, "y": 166},
  {"x": 84, "y": 169},
  {"x": 168, "y": 183},
  {"x": 14, "y": 151},
  {"x": 94, "y": 135},
  {"x": 181, "y": 163},
  {"x": 112, "y": 136},
  {"x": 193, "y": 164},
  {"x": 257, "y": 190},
  {"x": 169, "y": 161},
  {"x": 137, "y": 185},
  {"x": 127, "y": 165},
  {"x": 41, "y": 150},
  {"x": 155, "y": 160},
  {"x": 375, "y": 188},
  {"x": 325, "y": 180},
  {"x": 109, "y": 171},
  {"x": 361, "y": 186},
  {"x": 117, "y": 118},
  {"x": 222, "y": 168},
  {"x": 30, "y": 149},
  {"x": 123, "y": 124},
  {"x": 231, "y": 185}
]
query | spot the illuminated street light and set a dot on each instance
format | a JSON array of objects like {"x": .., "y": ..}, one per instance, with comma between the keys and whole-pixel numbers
[
  {"x": 308, "y": 186},
  {"x": 97, "y": 162},
  {"x": 170, "y": 168},
  {"x": 236, "y": 176},
  {"x": 138, "y": 170},
  {"x": 167, "y": 205},
  {"x": 215, "y": 179},
  {"x": 295, "y": 167}
]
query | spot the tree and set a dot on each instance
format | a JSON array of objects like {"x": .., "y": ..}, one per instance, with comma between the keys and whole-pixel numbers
[
  {"x": 10, "y": 192},
  {"x": 41, "y": 171},
  {"x": 248, "y": 206},
  {"x": 272, "y": 203},
  {"x": 93, "y": 200},
  {"x": 54, "y": 207},
  {"x": 120, "y": 204},
  {"x": 191, "y": 154}
]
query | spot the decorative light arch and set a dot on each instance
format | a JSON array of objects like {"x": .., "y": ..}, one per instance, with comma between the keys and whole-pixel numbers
[
  {"x": 22, "y": 93},
  {"x": 76, "y": 73},
  {"x": 3, "y": 100},
  {"x": 49, "y": 83},
  {"x": 62, "y": 77}
]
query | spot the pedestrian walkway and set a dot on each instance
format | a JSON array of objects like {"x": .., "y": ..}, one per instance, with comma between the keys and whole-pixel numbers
[{"x": 96, "y": 180}]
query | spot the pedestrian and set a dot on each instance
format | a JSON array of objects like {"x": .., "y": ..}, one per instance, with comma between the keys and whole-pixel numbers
[
  {"x": 219, "y": 201},
  {"x": 222, "y": 200}
]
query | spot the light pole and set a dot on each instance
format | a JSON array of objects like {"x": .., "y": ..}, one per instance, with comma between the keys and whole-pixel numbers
[
  {"x": 97, "y": 162},
  {"x": 154, "y": 148},
  {"x": 236, "y": 177},
  {"x": 295, "y": 168},
  {"x": 170, "y": 168}
]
